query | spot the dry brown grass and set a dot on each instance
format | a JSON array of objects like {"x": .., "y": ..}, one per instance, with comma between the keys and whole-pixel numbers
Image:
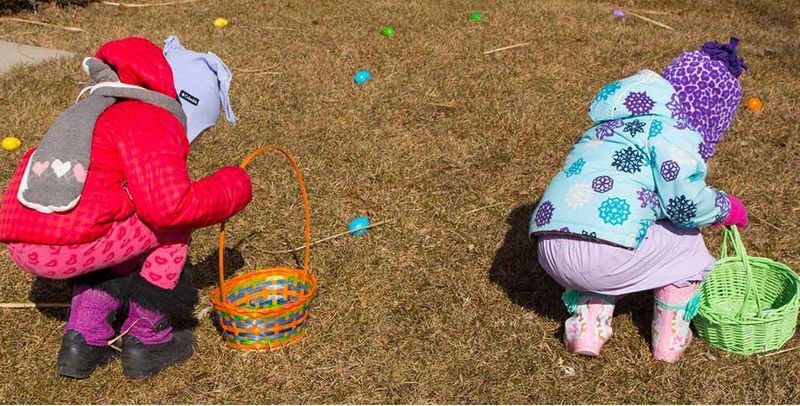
[{"x": 435, "y": 307}]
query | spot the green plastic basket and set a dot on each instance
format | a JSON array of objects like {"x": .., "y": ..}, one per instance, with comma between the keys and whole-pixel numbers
[{"x": 748, "y": 304}]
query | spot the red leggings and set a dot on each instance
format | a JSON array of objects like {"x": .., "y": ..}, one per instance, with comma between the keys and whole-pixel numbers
[{"x": 121, "y": 251}]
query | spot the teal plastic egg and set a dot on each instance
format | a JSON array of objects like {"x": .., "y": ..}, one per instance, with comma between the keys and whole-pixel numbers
[{"x": 358, "y": 226}]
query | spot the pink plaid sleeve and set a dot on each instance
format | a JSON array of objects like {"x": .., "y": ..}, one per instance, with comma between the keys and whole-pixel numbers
[{"x": 153, "y": 155}]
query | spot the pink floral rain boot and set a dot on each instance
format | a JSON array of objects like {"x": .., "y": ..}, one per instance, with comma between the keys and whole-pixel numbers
[
  {"x": 590, "y": 325},
  {"x": 674, "y": 309}
]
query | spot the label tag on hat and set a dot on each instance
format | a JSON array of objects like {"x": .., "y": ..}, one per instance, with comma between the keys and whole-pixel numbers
[{"x": 189, "y": 98}]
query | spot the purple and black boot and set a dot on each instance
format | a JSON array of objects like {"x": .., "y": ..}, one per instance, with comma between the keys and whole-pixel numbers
[
  {"x": 151, "y": 343},
  {"x": 96, "y": 298}
]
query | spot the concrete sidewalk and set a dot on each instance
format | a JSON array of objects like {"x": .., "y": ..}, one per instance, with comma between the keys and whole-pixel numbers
[{"x": 12, "y": 54}]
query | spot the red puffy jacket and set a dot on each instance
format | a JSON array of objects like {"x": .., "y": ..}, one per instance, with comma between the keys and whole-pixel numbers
[{"x": 138, "y": 165}]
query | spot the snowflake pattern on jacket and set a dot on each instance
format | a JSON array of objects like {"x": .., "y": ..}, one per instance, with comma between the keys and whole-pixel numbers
[{"x": 638, "y": 164}]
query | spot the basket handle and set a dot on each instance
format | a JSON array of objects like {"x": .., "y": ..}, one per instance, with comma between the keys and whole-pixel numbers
[
  {"x": 731, "y": 235},
  {"x": 307, "y": 213}
]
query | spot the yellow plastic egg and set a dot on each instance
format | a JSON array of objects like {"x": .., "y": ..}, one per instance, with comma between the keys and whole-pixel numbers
[
  {"x": 11, "y": 143},
  {"x": 220, "y": 22}
]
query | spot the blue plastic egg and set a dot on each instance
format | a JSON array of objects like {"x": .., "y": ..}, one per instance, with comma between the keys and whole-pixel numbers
[
  {"x": 357, "y": 227},
  {"x": 361, "y": 77}
]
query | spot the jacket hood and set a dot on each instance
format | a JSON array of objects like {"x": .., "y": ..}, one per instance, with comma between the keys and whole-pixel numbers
[
  {"x": 707, "y": 90},
  {"x": 645, "y": 93},
  {"x": 139, "y": 62}
]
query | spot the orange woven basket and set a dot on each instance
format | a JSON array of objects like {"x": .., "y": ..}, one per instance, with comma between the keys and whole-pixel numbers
[{"x": 266, "y": 308}]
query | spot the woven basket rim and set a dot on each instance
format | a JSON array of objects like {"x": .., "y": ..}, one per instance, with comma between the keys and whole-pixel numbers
[
  {"x": 782, "y": 270},
  {"x": 725, "y": 260},
  {"x": 726, "y": 319},
  {"x": 271, "y": 312}
]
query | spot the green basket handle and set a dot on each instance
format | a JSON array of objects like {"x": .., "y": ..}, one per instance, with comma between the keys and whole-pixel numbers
[{"x": 731, "y": 234}]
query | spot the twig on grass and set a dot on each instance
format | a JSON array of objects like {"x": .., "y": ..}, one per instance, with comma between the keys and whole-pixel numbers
[
  {"x": 650, "y": 20},
  {"x": 22, "y": 20},
  {"x": 766, "y": 222},
  {"x": 30, "y": 305},
  {"x": 121, "y": 334},
  {"x": 491, "y": 51},
  {"x": 778, "y": 352},
  {"x": 653, "y": 12},
  {"x": 479, "y": 209},
  {"x": 278, "y": 28},
  {"x": 258, "y": 71},
  {"x": 448, "y": 105},
  {"x": 140, "y": 5},
  {"x": 328, "y": 238}
]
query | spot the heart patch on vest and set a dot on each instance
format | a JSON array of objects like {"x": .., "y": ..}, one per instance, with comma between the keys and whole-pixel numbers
[{"x": 60, "y": 168}]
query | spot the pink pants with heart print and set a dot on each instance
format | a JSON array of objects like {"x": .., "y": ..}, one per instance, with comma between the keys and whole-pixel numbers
[{"x": 121, "y": 251}]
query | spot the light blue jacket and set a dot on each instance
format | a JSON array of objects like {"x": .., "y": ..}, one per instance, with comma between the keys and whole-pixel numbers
[{"x": 635, "y": 166}]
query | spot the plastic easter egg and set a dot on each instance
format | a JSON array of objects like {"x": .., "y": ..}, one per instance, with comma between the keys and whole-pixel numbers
[
  {"x": 361, "y": 77},
  {"x": 755, "y": 104},
  {"x": 220, "y": 22},
  {"x": 476, "y": 17},
  {"x": 618, "y": 13},
  {"x": 387, "y": 31},
  {"x": 357, "y": 227},
  {"x": 11, "y": 143}
]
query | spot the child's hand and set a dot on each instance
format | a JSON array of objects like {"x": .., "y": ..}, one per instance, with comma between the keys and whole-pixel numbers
[{"x": 737, "y": 216}]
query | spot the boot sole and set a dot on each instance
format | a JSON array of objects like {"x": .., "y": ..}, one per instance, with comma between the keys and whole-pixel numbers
[
  {"x": 668, "y": 359},
  {"x": 588, "y": 350},
  {"x": 74, "y": 372},
  {"x": 78, "y": 369},
  {"x": 143, "y": 368},
  {"x": 587, "y": 353}
]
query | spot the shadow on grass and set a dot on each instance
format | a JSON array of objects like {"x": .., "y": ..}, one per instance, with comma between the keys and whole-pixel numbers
[
  {"x": 640, "y": 308},
  {"x": 51, "y": 291},
  {"x": 206, "y": 272},
  {"x": 516, "y": 269}
]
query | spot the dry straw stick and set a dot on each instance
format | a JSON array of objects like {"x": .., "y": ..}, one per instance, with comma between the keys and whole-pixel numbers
[
  {"x": 258, "y": 71},
  {"x": 777, "y": 352},
  {"x": 121, "y": 334},
  {"x": 329, "y": 238},
  {"x": 765, "y": 222},
  {"x": 491, "y": 51},
  {"x": 22, "y": 20},
  {"x": 650, "y": 20},
  {"x": 140, "y": 5},
  {"x": 446, "y": 105},
  {"x": 480, "y": 208},
  {"x": 653, "y": 12},
  {"x": 29, "y": 305}
]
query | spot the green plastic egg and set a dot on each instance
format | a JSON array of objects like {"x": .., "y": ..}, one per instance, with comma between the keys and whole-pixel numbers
[{"x": 387, "y": 31}]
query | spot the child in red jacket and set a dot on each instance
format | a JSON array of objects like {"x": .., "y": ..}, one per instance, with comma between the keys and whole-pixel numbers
[{"x": 106, "y": 200}]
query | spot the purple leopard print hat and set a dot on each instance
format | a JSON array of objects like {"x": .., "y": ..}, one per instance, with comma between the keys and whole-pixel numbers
[{"x": 707, "y": 90}]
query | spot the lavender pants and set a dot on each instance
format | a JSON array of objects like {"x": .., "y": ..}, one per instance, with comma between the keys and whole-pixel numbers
[{"x": 668, "y": 255}]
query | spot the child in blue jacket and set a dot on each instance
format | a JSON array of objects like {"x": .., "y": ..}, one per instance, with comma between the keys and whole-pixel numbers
[{"x": 624, "y": 214}]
